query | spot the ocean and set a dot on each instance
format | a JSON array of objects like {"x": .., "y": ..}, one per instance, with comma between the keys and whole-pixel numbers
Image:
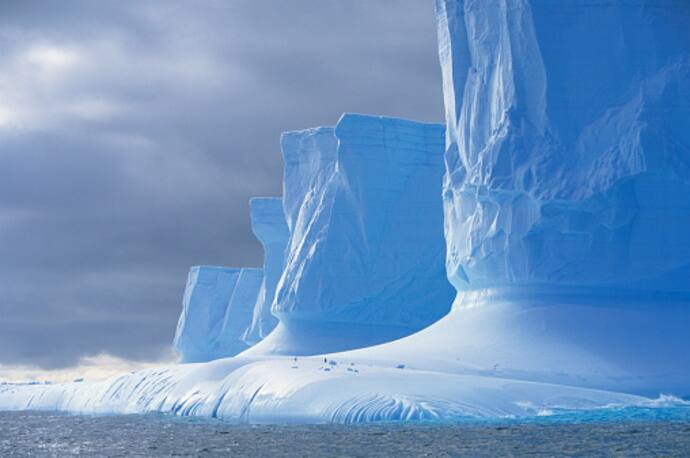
[{"x": 625, "y": 432}]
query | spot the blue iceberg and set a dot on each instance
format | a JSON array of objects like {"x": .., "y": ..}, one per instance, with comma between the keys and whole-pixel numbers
[
  {"x": 240, "y": 312},
  {"x": 561, "y": 218},
  {"x": 226, "y": 310},
  {"x": 568, "y": 143},
  {"x": 270, "y": 228},
  {"x": 567, "y": 191},
  {"x": 365, "y": 260},
  {"x": 216, "y": 312}
]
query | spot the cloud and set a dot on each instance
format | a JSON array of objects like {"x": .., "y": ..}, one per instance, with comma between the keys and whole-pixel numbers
[
  {"x": 132, "y": 137},
  {"x": 89, "y": 368}
]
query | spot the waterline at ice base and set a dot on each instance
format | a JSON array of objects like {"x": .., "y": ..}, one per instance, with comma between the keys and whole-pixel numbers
[{"x": 556, "y": 202}]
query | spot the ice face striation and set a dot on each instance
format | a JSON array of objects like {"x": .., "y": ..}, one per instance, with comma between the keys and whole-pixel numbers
[
  {"x": 310, "y": 158},
  {"x": 269, "y": 226},
  {"x": 567, "y": 192},
  {"x": 240, "y": 312},
  {"x": 568, "y": 142},
  {"x": 365, "y": 257},
  {"x": 216, "y": 311},
  {"x": 226, "y": 310}
]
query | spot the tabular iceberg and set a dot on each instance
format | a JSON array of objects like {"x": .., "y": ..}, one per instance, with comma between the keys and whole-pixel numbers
[
  {"x": 270, "y": 228},
  {"x": 568, "y": 142},
  {"x": 565, "y": 206},
  {"x": 365, "y": 261},
  {"x": 240, "y": 312},
  {"x": 226, "y": 310},
  {"x": 216, "y": 312},
  {"x": 567, "y": 192}
]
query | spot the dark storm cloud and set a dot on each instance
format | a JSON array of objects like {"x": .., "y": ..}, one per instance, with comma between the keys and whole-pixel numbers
[{"x": 132, "y": 135}]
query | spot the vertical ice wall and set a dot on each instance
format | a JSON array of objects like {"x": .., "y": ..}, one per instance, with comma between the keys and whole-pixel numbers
[
  {"x": 310, "y": 158},
  {"x": 240, "y": 311},
  {"x": 567, "y": 190},
  {"x": 226, "y": 310},
  {"x": 270, "y": 228},
  {"x": 568, "y": 142},
  {"x": 365, "y": 257},
  {"x": 216, "y": 311}
]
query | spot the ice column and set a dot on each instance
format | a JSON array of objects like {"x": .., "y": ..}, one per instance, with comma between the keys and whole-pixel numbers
[
  {"x": 567, "y": 190},
  {"x": 268, "y": 225},
  {"x": 240, "y": 311},
  {"x": 365, "y": 257},
  {"x": 204, "y": 307}
]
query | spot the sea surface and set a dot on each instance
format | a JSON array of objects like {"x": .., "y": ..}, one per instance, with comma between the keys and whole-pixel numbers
[{"x": 626, "y": 432}]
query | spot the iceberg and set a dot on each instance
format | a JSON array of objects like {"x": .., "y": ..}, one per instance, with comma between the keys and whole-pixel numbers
[
  {"x": 270, "y": 228},
  {"x": 365, "y": 259},
  {"x": 567, "y": 190},
  {"x": 240, "y": 312},
  {"x": 568, "y": 143},
  {"x": 226, "y": 310},
  {"x": 282, "y": 391},
  {"x": 216, "y": 312},
  {"x": 561, "y": 186}
]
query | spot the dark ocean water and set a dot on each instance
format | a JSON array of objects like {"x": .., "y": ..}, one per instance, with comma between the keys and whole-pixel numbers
[{"x": 662, "y": 432}]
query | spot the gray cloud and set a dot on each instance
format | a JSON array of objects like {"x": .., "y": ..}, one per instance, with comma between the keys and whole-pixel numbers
[{"x": 132, "y": 135}]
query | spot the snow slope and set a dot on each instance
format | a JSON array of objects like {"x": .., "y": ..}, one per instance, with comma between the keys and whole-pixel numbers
[{"x": 309, "y": 391}]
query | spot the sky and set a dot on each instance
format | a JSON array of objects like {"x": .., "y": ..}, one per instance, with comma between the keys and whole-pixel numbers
[{"x": 132, "y": 135}]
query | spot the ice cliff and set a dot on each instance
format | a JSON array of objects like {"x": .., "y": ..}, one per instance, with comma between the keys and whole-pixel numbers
[
  {"x": 225, "y": 310},
  {"x": 270, "y": 228},
  {"x": 565, "y": 206},
  {"x": 216, "y": 312},
  {"x": 354, "y": 251},
  {"x": 568, "y": 142},
  {"x": 567, "y": 190},
  {"x": 365, "y": 259}
]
